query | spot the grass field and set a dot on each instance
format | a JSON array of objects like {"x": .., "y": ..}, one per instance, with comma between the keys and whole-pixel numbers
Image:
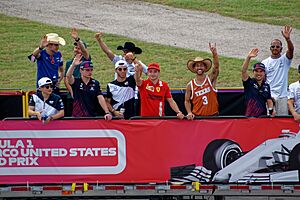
[{"x": 20, "y": 37}]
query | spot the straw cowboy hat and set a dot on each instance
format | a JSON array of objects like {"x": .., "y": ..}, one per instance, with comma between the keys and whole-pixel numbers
[
  {"x": 191, "y": 64},
  {"x": 54, "y": 38}
]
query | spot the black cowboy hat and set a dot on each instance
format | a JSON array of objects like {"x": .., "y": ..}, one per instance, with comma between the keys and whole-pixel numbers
[{"x": 130, "y": 47}]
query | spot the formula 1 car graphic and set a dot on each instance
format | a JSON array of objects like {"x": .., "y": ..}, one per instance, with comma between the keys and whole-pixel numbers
[{"x": 275, "y": 160}]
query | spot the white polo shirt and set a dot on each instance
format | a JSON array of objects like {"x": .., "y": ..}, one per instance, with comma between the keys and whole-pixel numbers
[{"x": 277, "y": 75}]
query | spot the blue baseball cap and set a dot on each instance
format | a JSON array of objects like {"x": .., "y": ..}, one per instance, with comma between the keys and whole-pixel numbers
[
  {"x": 259, "y": 66},
  {"x": 86, "y": 65}
]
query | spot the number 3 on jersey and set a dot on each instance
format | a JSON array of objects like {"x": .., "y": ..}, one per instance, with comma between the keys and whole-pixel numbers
[{"x": 205, "y": 100}]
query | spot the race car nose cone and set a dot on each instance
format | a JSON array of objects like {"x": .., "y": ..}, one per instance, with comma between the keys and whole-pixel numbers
[{"x": 221, "y": 177}]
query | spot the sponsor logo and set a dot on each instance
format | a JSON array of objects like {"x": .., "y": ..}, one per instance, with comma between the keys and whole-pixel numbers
[{"x": 62, "y": 152}]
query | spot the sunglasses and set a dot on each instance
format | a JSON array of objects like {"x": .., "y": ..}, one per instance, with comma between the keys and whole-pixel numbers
[
  {"x": 53, "y": 44},
  {"x": 120, "y": 69},
  {"x": 273, "y": 46},
  {"x": 48, "y": 86},
  {"x": 88, "y": 70}
]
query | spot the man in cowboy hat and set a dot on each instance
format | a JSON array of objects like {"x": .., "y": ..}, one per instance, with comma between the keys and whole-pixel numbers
[
  {"x": 129, "y": 51},
  {"x": 129, "y": 55},
  {"x": 49, "y": 59},
  {"x": 257, "y": 90},
  {"x": 154, "y": 92},
  {"x": 201, "y": 95}
]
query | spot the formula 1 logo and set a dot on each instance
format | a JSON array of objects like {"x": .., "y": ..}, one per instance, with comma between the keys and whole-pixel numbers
[{"x": 62, "y": 152}]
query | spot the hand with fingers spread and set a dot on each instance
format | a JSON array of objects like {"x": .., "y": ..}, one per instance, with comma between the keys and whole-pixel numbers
[
  {"x": 286, "y": 32},
  {"x": 253, "y": 53},
  {"x": 43, "y": 42},
  {"x": 74, "y": 33},
  {"x": 77, "y": 59}
]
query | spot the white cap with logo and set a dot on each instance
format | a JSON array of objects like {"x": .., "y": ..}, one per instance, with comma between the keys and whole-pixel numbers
[
  {"x": 44, "y": 81},
  {"x": 121, "y": 63}
]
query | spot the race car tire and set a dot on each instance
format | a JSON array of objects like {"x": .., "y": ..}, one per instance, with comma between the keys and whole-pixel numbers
[
  {"x": 220, "y": 153},
  {"x": 294, "y": 159}
]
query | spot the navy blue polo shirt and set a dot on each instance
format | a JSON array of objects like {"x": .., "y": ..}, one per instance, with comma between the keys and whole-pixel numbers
[
  {"x": 85, "y": 103},
  {"x": 51, "y": 106},
  {"x": 48, "y": 65},
  {"x": 256, "y": 97}
]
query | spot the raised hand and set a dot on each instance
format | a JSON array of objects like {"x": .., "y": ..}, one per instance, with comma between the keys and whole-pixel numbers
[
  {"x": 253, "y": 53},
  {"x": 213, "y": 48},
  {"x": 77, "y": 59},
  {"x": 98, "y": 36},
  {"x": 43, "y": 42},
  {"x": 129, "y": 57},
  {"x": 74, "y": 33},
  {"x": 286, "y": 32}
]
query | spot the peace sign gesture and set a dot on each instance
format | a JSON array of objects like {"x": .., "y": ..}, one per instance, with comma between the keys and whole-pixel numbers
[{"x": 213, "y": 48}]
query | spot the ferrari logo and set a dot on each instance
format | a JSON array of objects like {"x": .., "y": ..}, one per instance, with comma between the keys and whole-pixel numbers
[
  {"x": 158, "y": 89},
  {"x": 151, "y": 88}
]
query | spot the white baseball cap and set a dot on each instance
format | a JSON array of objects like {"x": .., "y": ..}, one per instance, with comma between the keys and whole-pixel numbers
[
  {"x": 44, "y": 81},
  {"x": 121, "y": 63}
]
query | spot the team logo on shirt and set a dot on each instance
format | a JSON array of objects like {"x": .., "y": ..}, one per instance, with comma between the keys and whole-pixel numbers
[
  {"x": 202, "y": 92},
  {"x": 150, "y": 88},
  {"x": 51, "y": 102},
  {"x": 158, "y": 89}
]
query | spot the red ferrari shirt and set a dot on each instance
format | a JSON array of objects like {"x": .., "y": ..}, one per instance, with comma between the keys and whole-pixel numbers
[{"x": 153, "y": 97}]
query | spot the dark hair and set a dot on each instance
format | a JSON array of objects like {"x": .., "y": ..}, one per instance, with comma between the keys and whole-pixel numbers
[{"x": 277, "y": 41}]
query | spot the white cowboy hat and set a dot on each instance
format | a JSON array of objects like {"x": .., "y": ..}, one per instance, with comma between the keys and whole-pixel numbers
[{"x": 54, "y": 38}]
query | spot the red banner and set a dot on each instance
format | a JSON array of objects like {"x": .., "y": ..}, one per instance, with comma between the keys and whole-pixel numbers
[{"x": 121, "y": 151}]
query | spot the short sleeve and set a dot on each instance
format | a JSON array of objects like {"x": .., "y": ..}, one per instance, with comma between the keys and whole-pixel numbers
[
  {"x": 247, "y": 82},
  {"x": 60, "y": 104},
  {"x": 269, "y": 92},
  {"x": 68, "y": 64},
  {"x": 116, "y": 59},
  {"x": 31, "y": 101},
  {"x": 168, "y": 92},
  {"x": 108, "y": 93},
  {"x": 98, "y": 89},
  {"x": 291, "y": 92}
]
